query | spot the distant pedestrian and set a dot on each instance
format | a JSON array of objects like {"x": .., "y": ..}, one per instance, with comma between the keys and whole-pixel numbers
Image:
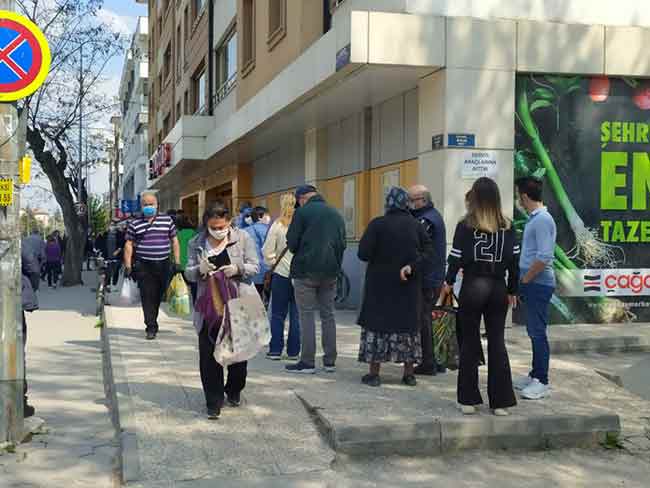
[
  {"x": 316, "y": 237},
  {"x": 53, "y": 261},
  {"x": 244, "y": 218},
  {"x": 29, "y": 300},
  {"x": 537, "y": 283},
  {"x": 34, "y": 246},
  {"x": 485, "y": 247},
  {"x": 219, "y": 247},
  {"x": 89, "y": 251},
  {"x": 397, "y": 250},
  {"x": 258, "y": 230},
  {"x": 150, "y": 240},
  {"x": 115, "y": 240},
  {"x": 283, "y": 300},
  {"x": 434, "y": 274},
  {"x": 186, "y": 232}
]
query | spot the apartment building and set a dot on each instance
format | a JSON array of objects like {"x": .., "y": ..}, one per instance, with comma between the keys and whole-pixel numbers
[
  {"x": 134, "y": 105},
  {"x": 356, "y": 96}
]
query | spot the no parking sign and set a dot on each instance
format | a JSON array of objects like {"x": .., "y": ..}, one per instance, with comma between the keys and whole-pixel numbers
[{"x": 24, "y": 57}]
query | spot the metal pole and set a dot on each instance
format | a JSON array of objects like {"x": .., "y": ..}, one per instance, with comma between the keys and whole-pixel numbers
[
  {"x": 81, "y": 109},
  {"x": 12, "y": 372}
]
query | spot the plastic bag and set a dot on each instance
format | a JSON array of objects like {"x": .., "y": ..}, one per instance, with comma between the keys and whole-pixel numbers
[
  {"x": 249, "y": 328},
  {"x": 178, "y": 296},
  {"x": 445, "y": 339},
  {"x": 129, "y": 294}
]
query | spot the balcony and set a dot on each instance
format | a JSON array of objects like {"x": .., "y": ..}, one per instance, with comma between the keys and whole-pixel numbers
[{"x": 225, "y": 89}]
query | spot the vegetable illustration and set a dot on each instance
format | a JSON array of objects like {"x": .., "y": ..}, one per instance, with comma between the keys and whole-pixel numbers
[{"x": 599, "y": 89}]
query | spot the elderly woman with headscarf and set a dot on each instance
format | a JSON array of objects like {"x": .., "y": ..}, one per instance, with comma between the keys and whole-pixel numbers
[{"x": 395, "y": 246}]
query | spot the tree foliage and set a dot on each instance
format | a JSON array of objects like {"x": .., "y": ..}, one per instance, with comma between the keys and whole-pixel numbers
[
  {"x": 77, "y": 36},
  {"x": 98, "y": 214}
]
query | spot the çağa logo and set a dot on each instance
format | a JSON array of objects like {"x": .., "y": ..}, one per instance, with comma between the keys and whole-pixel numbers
[{"x": 635, "y": 282}]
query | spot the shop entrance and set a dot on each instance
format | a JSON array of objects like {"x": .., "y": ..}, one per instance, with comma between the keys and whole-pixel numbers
[
  {"x": 221, "y": 193},
  {"x": 190, "y": 206}
]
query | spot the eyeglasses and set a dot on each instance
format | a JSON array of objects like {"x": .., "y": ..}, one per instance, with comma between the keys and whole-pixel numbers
[{"x": 415, "y": 199}]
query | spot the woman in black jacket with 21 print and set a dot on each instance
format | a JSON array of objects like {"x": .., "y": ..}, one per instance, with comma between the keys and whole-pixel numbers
[{"x": 485, "y": 248}]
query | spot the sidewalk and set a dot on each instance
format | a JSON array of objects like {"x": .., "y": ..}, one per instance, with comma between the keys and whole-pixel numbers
[
  {"x": 64, "y": 371},
  {"x": 273, "y": 440}
]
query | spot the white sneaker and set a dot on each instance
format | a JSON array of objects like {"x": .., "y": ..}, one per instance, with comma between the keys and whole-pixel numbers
[
  {"x": 467, "y": 409},
  {"x": 536, "y": 390},
  {"x": 522, "y": 383},
  {"x": 501, "y": 412}
]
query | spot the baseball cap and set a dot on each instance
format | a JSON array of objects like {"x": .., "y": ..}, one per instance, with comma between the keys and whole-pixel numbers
[{"x": 304, "y": 189}]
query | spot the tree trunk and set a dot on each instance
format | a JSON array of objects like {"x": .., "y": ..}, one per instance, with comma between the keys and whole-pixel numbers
[{"x": 55, "y": 171}]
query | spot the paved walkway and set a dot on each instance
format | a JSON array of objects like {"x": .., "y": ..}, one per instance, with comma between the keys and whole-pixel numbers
[
  {"x": 64, "y": 369},
  {"x": 272, "y": 440}
]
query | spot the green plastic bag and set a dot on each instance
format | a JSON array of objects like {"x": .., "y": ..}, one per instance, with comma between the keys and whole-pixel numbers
[
  {"x": 178, "y": 296},
  {"x": 445, "y": 341}
]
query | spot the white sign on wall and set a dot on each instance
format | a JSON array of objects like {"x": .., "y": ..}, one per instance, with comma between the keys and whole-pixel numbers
[{"x": 475, "y": 164}]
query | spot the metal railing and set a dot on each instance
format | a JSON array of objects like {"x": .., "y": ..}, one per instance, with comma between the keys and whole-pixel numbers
[{"x": 225, "y": 89}]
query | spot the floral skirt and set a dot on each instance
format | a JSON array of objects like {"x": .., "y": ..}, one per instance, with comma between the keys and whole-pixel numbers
[{"x": 399, "y": 347}]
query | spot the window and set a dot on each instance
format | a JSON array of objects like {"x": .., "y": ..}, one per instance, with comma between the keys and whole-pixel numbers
[
  {"x": 167, "y": 62},
  {"x": 178, "y": 111},
  {"x": 198, "y": 89},
  {"x": 198, "y": 7},
  {"x": 226, "y": 66},
  {"x": 277, "y": 22},
  {"x": 178, "y": 53},
  {"x": 248, "y": 37},
  {"x": 186, "y": 23},
  {"x": 167, "y": 124},
  {"x": 186, "y": 103}
]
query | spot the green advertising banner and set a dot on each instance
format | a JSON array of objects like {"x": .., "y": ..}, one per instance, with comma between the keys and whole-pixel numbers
[{"x": 588, "y": 139}]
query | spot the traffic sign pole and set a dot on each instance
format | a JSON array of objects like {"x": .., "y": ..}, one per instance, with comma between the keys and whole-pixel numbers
[{"x": 12, "y": 372}]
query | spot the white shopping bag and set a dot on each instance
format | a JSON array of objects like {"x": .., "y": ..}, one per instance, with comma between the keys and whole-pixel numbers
[
  {"x": 250, "y": 331},
  {"x": 129, "y": 294}
]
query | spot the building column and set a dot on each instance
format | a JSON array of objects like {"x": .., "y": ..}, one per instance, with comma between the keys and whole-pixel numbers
[{"x": 474, "y": 95}]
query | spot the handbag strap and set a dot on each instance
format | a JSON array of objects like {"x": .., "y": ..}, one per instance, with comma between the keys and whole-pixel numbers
[{"x": 277, "y": 262}]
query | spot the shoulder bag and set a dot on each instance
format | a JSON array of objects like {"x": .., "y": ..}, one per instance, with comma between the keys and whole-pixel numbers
[{"x": 268, "y": 276}]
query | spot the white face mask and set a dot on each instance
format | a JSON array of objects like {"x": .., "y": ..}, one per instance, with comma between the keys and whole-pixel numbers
[
  {"x": 249, "y": 220},
  {"x": 266, "y": 219},
  {"x": 219, "y": 235}
]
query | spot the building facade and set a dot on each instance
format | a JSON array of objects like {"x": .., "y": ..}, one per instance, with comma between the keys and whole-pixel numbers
[
  {"x": 134, "y": 102},
  {"x": 356, "y": 96}
]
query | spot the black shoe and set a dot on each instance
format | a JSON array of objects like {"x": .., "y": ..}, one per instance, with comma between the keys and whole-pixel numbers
[
  {"x": 234, "y": 400},
  {"x": 371, "y": 380},
  {"x": 409, "y": 380},
  {"x": 151, "y": 335},
  {"x": 214, "y": 413},
  {"x": 440, "y": 369},
  {"x": 28, "y": 411},
  {"x": 423, "y": 370},
  {"x": 300, "y": 368}
]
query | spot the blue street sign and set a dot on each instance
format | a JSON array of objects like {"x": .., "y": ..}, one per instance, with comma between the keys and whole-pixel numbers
[{"x": 461, "y": 140}]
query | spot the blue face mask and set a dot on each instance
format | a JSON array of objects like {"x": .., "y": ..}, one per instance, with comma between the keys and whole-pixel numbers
[{"x": 149, "y": 211}]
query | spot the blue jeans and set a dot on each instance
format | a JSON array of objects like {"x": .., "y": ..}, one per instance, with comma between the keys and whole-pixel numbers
[
  {"x": 283, "y": 301},
  {"x": 537, "y": 299}
]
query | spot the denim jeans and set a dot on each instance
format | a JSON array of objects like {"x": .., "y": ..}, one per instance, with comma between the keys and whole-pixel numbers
[
  {"x": 537, "y": 299},
  {"x": 284, "y": 302}
]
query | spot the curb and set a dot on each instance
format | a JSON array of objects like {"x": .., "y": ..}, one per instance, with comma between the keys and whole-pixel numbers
[
  {"x": 437, "y": 436},
  {"x": 121, "y": 404},
  {"x": 620, "y": 344}
]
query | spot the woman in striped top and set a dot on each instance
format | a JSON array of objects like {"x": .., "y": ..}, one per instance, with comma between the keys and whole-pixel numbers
[{"x": 485, "y": 248}]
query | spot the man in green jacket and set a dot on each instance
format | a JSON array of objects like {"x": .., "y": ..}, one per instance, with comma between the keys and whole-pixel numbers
[{"x": 316, "y": 237}]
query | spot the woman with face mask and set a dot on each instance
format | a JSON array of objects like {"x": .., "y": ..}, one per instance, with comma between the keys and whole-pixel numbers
[{"x": 219, "y": 247}]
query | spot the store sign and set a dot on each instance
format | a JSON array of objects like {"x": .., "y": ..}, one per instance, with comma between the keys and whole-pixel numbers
[
  {"x": 437, "y": 141},
  {"x": 609, "y": 282},
  {"x": 475, "y": 164},
  {"x": 160, "y": 161},
  {"x": 588, "y": 140},
  {"x": 130, "y": 206},
  {"x": 461, "y": 140}
]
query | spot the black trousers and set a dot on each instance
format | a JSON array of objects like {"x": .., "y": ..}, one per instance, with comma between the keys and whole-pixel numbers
[
  {"x": 429, "y": 298},
  {"x": 212, "y": 374},
  {"x": 113, "y": 273},
  {"x": 53, "y": 273},
  {"x": 487, "y": 298},
  {"x": 152, "y": 279},
  {"x": 24, "y": 357}
]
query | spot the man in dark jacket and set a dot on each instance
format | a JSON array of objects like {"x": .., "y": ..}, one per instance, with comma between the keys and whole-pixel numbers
[
  {"x": 316, "y": 237},
  {"x": 424, "y": 211},
  {"x": 29, "y": 304}
]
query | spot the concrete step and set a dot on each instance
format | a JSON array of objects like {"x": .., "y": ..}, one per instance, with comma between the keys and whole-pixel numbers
[{"x": 436, "y": 435}]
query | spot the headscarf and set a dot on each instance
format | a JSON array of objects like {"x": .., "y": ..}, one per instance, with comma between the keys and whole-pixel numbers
[{"x": 397, "y": 199}]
